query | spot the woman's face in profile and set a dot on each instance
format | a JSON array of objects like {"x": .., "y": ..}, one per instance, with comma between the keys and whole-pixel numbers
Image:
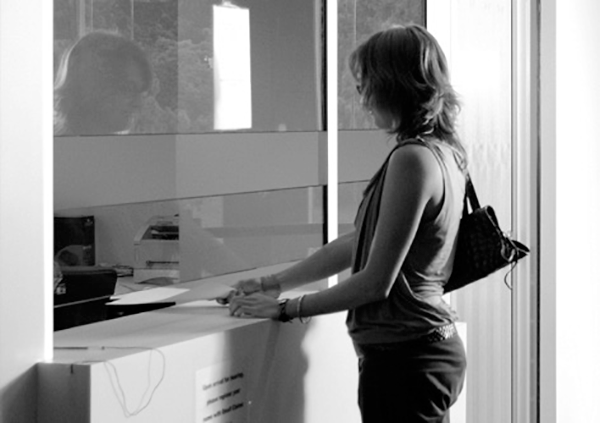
[
  {"x": 121, "y": 100},
  {"x": 382, "y": 118},
  {"x": 110, "y": 102}
]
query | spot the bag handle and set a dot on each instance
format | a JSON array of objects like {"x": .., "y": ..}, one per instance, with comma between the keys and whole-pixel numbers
[{"x": 470, "y": 194}]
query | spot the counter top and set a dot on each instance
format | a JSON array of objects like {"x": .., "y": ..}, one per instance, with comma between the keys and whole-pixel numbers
[
  {"x": 192, "y": 362},
  {"x": 185, "y": 321}
]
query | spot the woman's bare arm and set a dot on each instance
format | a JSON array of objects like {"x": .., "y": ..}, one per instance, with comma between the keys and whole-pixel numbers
[{"x": 329, "y": 260}]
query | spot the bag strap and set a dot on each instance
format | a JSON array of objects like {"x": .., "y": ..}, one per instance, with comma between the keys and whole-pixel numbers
[{"x": 470, "y": 194}]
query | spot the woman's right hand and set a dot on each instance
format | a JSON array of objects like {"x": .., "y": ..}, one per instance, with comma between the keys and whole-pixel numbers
[
  {"x": 267, "y": 285},
  {"x": 249, "y": 286}
]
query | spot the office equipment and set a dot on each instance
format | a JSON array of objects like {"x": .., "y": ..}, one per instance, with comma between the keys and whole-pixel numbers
[
  {"x": 156, "y": 249},
  {"x": 81, "y": 295},
  {"x": 74, "y": 240}
]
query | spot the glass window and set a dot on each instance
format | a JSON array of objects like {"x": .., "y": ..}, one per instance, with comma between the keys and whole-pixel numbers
[
  {"x": 186, "y": 66},
  {"x": 349, "y": 198},
  {"x": 184, "y": 240},
  {"x": 477, "y": 42},
  {"x": 174, "y": 201}
]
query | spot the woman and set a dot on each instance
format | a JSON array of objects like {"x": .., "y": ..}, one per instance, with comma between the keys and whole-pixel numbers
[
  {"x": 412, "y": 362},
  {"x": 99, "y": 85}
]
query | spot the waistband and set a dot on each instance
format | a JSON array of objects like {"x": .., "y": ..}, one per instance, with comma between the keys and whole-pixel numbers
[{"x": 438, "y": 334}]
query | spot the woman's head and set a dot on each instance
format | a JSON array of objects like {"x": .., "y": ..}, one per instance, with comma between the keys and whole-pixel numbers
[
  {"x": 99, "y": 85},
  {"x": 403, "y": 76}
]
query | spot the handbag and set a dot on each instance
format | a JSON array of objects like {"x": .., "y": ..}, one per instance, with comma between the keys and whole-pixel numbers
[{"x": 482, "y": 247}]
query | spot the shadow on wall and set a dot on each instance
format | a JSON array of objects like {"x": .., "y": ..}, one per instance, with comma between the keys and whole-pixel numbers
[
  {"x": 275, "y": 372},
  {"x": 253, "y": 373},
  {"x": 18, "y": 405}
]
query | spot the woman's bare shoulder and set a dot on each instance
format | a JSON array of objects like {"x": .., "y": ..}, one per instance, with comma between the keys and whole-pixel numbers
[{"x": 415, "y": 159}]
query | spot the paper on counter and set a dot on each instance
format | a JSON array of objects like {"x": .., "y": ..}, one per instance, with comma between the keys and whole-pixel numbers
[
  {"x": 146, "y": 296},
  {"x": 204, "y": 290}
]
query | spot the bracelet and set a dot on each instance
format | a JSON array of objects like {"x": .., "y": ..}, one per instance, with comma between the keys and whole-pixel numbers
[
  {"x": 283, "y": 316},
  {"x": 299, "y": 310}
]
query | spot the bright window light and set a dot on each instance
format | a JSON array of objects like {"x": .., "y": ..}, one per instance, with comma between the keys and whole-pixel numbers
[{"x": 231, "y": 67}]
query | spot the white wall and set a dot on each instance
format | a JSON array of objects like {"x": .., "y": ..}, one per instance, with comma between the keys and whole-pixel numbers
[
  {"x": 577, "y": 210},
  {"x": 25, "y": 188}
]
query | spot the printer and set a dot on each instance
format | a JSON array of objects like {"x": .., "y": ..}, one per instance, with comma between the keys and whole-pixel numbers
[{"x": 156, "y": 249}]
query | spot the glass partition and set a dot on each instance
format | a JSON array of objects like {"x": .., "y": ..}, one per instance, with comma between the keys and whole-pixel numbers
[
  {"x": 186, "y": 142},
  {"x": 167, "y": 242},
  {"x": 349, "y": 197},
  {"x": 186, "y": 66}
]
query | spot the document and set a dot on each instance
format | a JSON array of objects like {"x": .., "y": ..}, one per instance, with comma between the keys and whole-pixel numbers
[{"x": 200, "y": 290}]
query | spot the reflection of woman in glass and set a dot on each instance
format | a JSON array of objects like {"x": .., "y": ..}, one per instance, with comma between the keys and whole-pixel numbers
[
  {"x": 411, "y": 360},
  {"x": 99, "y": 85}
]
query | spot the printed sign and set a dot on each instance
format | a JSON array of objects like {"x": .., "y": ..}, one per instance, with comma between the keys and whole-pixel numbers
[{"x": 221, "y": 395}]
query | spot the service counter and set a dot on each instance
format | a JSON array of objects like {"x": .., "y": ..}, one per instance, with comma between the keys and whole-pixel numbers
[{"x": 193, "y": 363}]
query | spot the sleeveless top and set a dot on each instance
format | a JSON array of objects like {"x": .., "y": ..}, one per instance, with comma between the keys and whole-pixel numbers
[{"x": 404, "y": 315}]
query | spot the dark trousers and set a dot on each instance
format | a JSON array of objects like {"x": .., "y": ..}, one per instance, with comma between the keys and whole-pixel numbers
[{"x": 412, "y": 383}]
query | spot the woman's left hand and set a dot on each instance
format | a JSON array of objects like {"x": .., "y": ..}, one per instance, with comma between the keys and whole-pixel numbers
[{"x": 254, "y": 305}]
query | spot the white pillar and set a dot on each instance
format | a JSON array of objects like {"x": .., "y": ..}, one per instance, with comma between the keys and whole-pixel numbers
[{"x": 25, "y": 202}]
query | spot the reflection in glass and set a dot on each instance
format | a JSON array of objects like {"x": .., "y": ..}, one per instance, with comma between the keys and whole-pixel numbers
[
  {"x": 233, "y": 101},
  {"x": 349, "y": 197},
  {"x": 179, "y": 39},
  {"x": 99, "y": 85}
]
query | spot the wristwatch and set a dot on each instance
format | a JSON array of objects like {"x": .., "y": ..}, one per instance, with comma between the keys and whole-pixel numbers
[{"x": 283, "y": 316}]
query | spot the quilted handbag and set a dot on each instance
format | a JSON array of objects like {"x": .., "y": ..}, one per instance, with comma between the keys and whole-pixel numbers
[{"x": 482, "y": 246}]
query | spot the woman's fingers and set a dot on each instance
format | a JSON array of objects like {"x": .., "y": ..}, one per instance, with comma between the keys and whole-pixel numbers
[
  {"x": 239, "y": 305},
  {"x": 255, "y": 305},
  {"x": 250, "y": 286}
]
